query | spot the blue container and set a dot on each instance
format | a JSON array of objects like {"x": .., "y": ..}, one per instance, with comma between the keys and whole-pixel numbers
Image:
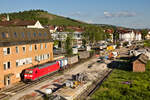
[{"x": 63, "y": 62}]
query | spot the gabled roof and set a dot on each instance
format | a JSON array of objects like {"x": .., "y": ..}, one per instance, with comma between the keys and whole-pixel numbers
[
  {"x": 110, "y": 31},
  {"x": 142, "y": 58}
]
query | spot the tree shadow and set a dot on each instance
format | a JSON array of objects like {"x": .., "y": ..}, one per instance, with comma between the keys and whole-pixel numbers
[{"x": 124, "y": 58}]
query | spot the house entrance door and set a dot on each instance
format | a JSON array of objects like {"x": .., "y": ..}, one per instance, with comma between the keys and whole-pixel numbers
[{"x": 7, "y": 80}]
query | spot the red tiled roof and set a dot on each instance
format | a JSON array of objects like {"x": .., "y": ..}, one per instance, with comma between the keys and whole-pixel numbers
[
  {"x": 17, "y": 22},
  {"x": 109, "y": 31},
  {"x": 77, "y": 29},
  {"x": 122, "y": 31}
]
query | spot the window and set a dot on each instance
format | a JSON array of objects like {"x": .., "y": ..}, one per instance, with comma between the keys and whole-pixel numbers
[
  {"x": 7, "y": 80},
  {"x": 24, "y": 49},
  {"x": 3, "y": 35},
  {"x": 18, "y": 75},
  {"x": 35, "y": 47},
  {"x": 41, "y": 46},
  {"x": 29, "y": 35},
  {"x": 15, "y": 34},
  {"x": 22, "y": 34},
  {"x": 47, "y": 55},
  {"x": 6, "y": 65},
  {"x": 40, "y": 34},
  {"x": 34, "y": 34},
  {"x": 41, "y": 57},
  {"x": 45, "y": 45},
  {"x": 45, "y": 34},
  {"x": 37, "y": 58},
  {"x": 78, "y": 35},
  {"x": 6, "y": 51},
  {"x": 30, "y": 48},
  {"x": 17, "y": 63},
  {"x": 24, "y": 61},
  {"x": 17, "y": 50}
]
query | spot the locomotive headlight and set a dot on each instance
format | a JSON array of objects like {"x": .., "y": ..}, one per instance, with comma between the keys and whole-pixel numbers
[
  {"x": 30, "y": 75},
  {"x": 25, "y": 75}
]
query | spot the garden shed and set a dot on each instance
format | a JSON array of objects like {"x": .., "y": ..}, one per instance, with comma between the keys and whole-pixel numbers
[{"x": 139, "y": 63}]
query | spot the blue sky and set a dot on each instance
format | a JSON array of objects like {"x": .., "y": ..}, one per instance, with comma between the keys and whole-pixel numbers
[{"x": 128, "y": 13}]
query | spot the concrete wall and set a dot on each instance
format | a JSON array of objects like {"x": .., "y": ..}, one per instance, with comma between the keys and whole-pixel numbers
[
  {"x": 72, "y": 60},
  {"x": 84, "y": 55}
]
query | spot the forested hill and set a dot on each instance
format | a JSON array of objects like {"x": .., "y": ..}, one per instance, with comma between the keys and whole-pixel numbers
[{"x": 44, "y": 17}]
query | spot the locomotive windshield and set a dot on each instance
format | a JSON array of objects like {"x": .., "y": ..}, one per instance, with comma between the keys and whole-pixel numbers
[{"x": 28, "y": 71}]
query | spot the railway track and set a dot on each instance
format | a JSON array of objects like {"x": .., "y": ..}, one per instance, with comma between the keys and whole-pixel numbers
[
  {"x": 91, "y": 89},
  {"x": 99, "y": 83},
  {"x": 22, "y": 86},
  {"x": 6, "y": 93}
]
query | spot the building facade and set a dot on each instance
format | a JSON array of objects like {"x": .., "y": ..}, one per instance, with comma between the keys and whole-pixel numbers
[
  {"x": 21, "y": 48},
  {"x": 128, "y": 35},
  {"x": 148, "y": 35}
]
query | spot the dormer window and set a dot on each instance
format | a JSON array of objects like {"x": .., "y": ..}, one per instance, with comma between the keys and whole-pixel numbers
[
  {"x": 22, "y": 34},
  {"x": 34, "y": 34},
  {"x": 40, "y": 34},
  {"x": 15, "y": 34},
  {"x": 3, "y": 35},
  {"x": 29, "y": 35}
]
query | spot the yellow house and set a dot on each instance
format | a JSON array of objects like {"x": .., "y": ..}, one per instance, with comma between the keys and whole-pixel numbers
[{"x": 21, "y": 48}]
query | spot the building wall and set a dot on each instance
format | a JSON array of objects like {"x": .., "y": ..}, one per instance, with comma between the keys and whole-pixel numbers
[
  {"x": 130, "y": 36},
  {"x": 13, "y": 56}
]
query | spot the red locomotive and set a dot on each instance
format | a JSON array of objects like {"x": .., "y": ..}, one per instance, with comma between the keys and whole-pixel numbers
[{"x": 39, "y": 71}]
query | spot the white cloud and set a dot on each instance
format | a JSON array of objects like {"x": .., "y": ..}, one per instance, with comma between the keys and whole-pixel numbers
[
  {"x": 119, "y": 14},
  {"x": 76, "y": 14},
  {"x": 89, "y": 21}
]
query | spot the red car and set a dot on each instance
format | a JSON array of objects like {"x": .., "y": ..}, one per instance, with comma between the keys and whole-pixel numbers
[{"x": 39, "y": 71}]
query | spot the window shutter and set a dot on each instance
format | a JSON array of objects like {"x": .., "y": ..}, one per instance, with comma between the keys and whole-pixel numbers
[
  {"x": 8, "y": 50},
  {"x": 5, "y": 66},
  {"x": 5, "y": 51},
  {"x": 17, "y": 63}
]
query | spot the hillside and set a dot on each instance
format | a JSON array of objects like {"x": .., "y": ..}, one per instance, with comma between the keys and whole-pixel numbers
[
  {"x": 44, "y": 17},
  {"x": 93, "y": 32}
]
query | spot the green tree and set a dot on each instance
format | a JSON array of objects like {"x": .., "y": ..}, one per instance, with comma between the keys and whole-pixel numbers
[
  {"x": 144, "y": 33},
  {"x": 68, "y": 46}
]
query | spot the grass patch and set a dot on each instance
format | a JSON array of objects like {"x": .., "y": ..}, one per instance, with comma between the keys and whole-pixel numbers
[{"x": 115, "y": 88}]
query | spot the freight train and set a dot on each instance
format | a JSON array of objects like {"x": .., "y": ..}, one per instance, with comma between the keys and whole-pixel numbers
[{"x": 38, "y": 71}]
